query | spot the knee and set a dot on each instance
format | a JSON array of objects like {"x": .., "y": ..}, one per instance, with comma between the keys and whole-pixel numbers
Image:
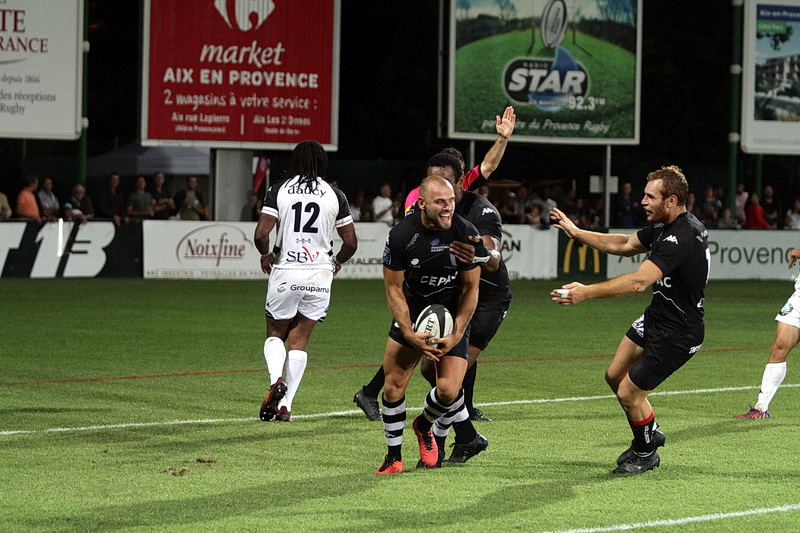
[
  {"x": 613, "y": 381},
  {"x": 447, "y": 393}
]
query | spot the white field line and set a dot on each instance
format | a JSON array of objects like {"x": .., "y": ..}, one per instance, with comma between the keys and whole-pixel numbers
[
  {"x": 358, "y": 411},
  {"x": 686, "y": 520}
]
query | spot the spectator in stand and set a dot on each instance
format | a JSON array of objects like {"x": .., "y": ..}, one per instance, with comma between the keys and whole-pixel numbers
[
  {"x": 524, "y": 199},
  {"x": 534, "y": 216},
  {"x": 792, "y": 219},
  {"x": 771, "y": 207},
  {"x": 726, "y": 220},
  {"x": 710, "y": 208},
  {"x": 79, "y": 207},
  {"x": 189, "y": 202},
  {"x": 5, "y": 208},
  {"x": 48, "y": 203},
  {"x": 140, "y": 203},
  {"x": 109, "y": 201},
  {"x": 510, "y": 212},
  {"x": 164, "y": 204},
  {"x": 27, "y": 206},
  {"x": 691, "y": 205},
  {"x": 626, "y": 206},
  {"x": 754, "y": 213},
  {"x": 357, "y": 207},
  {"x": 741, "y": 205},
  {"x": 384, "y": 206}
]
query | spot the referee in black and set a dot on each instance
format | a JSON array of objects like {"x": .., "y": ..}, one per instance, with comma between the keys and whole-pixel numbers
[{"x": 671, "y": 329}]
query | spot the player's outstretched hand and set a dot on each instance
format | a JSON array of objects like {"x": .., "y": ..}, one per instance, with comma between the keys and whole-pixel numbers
[
  {"x": 569, "y": 294},
  {"x": 505, "y": 125},
  {"x": 463, "y": 251},
  {"x": 562, "y": 222}
]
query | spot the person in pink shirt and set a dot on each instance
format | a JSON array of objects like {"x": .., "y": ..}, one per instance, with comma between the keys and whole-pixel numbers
[{"x": 479, "y": 175}]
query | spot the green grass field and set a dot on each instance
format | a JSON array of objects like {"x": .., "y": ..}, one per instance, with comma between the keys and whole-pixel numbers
[{"x": 131, "y": 405}]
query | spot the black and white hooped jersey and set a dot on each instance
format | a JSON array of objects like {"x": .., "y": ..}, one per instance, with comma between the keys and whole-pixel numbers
[
  {"x": 307, "y": 214},
  {"x": 680, "y": 251},
  {"x": 432, "y": 273}
]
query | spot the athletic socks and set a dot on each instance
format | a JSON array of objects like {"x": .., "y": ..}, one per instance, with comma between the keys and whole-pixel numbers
[
  {"x": 295, "y": 368},
  {"x": 394, "y": 420},
  {"x": 643, "y": 435},
  {"x": 373, "y": 388},
  {"x": 468, "y": 384},
  {"x": 275, "y": 357},
  {"x": 770, "y": 381},
  {"x": 433, "y": 408}
]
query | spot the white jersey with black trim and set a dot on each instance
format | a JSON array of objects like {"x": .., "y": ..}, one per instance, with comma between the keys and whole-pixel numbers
[{"x": 307, "y": 214}]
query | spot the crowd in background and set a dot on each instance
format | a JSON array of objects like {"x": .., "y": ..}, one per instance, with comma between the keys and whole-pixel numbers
[
  {"x": 529, "y": 204},
  {"x": 521, "y": 203},
  {"x": 37, "y": 201}
]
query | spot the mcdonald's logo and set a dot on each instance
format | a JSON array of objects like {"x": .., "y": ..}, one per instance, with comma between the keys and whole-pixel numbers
[{"x": 583, "y": 250}]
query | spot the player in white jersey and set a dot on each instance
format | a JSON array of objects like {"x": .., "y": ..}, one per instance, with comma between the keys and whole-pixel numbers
[
  {"x": 787, "y": 335},
  {"x": 304, "y": 210}
]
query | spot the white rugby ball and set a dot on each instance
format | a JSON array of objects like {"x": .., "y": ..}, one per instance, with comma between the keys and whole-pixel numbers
[
  {"x": 436, "y": 320},
  {"x": 554, "y": 23}
]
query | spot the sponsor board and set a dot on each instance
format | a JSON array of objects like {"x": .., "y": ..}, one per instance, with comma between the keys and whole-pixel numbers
[
  {"x": 571, "y": 70},
  {"x": 240, "y": 73},
  {"x": 770, "y": 61},
  {"x": 65, "y": 249},
  {"x": 41, "y": 66},
  {"x": 735, "y": 254}
]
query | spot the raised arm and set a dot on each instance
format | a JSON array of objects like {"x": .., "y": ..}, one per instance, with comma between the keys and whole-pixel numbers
[{"x": 505, "y": 126}]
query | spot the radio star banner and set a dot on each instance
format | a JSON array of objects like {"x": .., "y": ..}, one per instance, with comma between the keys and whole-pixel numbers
[
  {"x": 770, "y": 85},
  {"x": 570, "y": 68},
  {"x": 257, "y": 74},
  {"x": 41, "y": 69}
]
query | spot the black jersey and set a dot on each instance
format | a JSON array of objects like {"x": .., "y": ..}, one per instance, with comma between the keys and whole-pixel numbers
[
  {"x": 486, "y": 218},
  {"x": 680, "y": 250},
  {"x": 432, "y": 273}
]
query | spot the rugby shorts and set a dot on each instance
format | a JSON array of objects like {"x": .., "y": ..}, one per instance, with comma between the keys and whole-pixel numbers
[
  {"x": 790, "y": 312},
  {"x": 299, "y": 290}
]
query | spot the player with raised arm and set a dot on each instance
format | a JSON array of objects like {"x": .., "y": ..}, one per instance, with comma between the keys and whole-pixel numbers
[
  {"x": 479, "y": 175},
  {"x": 301, "y": 266},
  {"x": 672, "y": 328}
]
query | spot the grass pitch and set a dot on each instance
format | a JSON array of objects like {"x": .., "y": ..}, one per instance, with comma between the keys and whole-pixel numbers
[{"x": 131, "y": 405}]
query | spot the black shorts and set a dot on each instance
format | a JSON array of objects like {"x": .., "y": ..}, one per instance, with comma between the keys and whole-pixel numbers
[
  {"x": 486, "y": 321},
  {"x": 661, "y": 357},
  {"x": 459, "y": 350}
]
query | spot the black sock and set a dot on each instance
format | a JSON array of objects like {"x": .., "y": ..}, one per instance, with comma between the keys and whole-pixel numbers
[
  {"x": 373, "y": 388},
  {"x": 468, "y": 385},
  {"x": 643, "y": 435}
]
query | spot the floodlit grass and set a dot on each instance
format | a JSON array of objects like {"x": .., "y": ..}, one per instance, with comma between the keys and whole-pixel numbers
[{"x": 131, "y": 405}]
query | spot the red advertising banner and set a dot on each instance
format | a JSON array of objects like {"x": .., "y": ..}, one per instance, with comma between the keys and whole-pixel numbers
[{"x": 258, "y": 74}]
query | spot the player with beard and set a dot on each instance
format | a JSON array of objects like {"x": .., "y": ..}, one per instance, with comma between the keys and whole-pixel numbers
[
  {"x": 494, "y": 298},
  {"x": 419, "y": 269},
  {"x": 672, "y": 328}
]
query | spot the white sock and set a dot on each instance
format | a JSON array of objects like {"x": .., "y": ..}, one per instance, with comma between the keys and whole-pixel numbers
[
  {"x": 275, "y": 356},
  {"x": 295, "y": 368},
  {"x": 772, "y": 379}
]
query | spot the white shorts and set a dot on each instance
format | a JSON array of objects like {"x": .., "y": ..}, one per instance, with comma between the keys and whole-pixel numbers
[
  {"x": 306, "y": 291},
  {"x": 790, "y": 313}
]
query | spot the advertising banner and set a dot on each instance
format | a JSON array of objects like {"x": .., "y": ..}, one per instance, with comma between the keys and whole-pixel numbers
[
  {"x": 225, "y": 250},
  {"x": 65, "y": 249},
  {"x": 570, "y": 68},
  {"x": 41, "y": 69},
  {"x": 240, "y": 73},
  {"x": 735, "y": 254},
  {"x": 770, "y": 82}
]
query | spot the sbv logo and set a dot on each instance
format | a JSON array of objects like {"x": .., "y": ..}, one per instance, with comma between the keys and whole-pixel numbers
[{"x": 245, "y": 12}]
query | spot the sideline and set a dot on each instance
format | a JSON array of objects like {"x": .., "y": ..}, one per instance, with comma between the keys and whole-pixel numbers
[
  {"x": 686, "y": 520},
  {"x": 359, "y": 412}
]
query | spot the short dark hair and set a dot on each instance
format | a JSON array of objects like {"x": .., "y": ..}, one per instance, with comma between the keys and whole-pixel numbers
[{"x": 443, "y": 159}]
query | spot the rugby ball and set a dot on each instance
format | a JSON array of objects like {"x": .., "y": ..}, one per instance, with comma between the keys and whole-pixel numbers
[
  {"x": 554, "y": 23},
  {"x": 436, "y": 320}
]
